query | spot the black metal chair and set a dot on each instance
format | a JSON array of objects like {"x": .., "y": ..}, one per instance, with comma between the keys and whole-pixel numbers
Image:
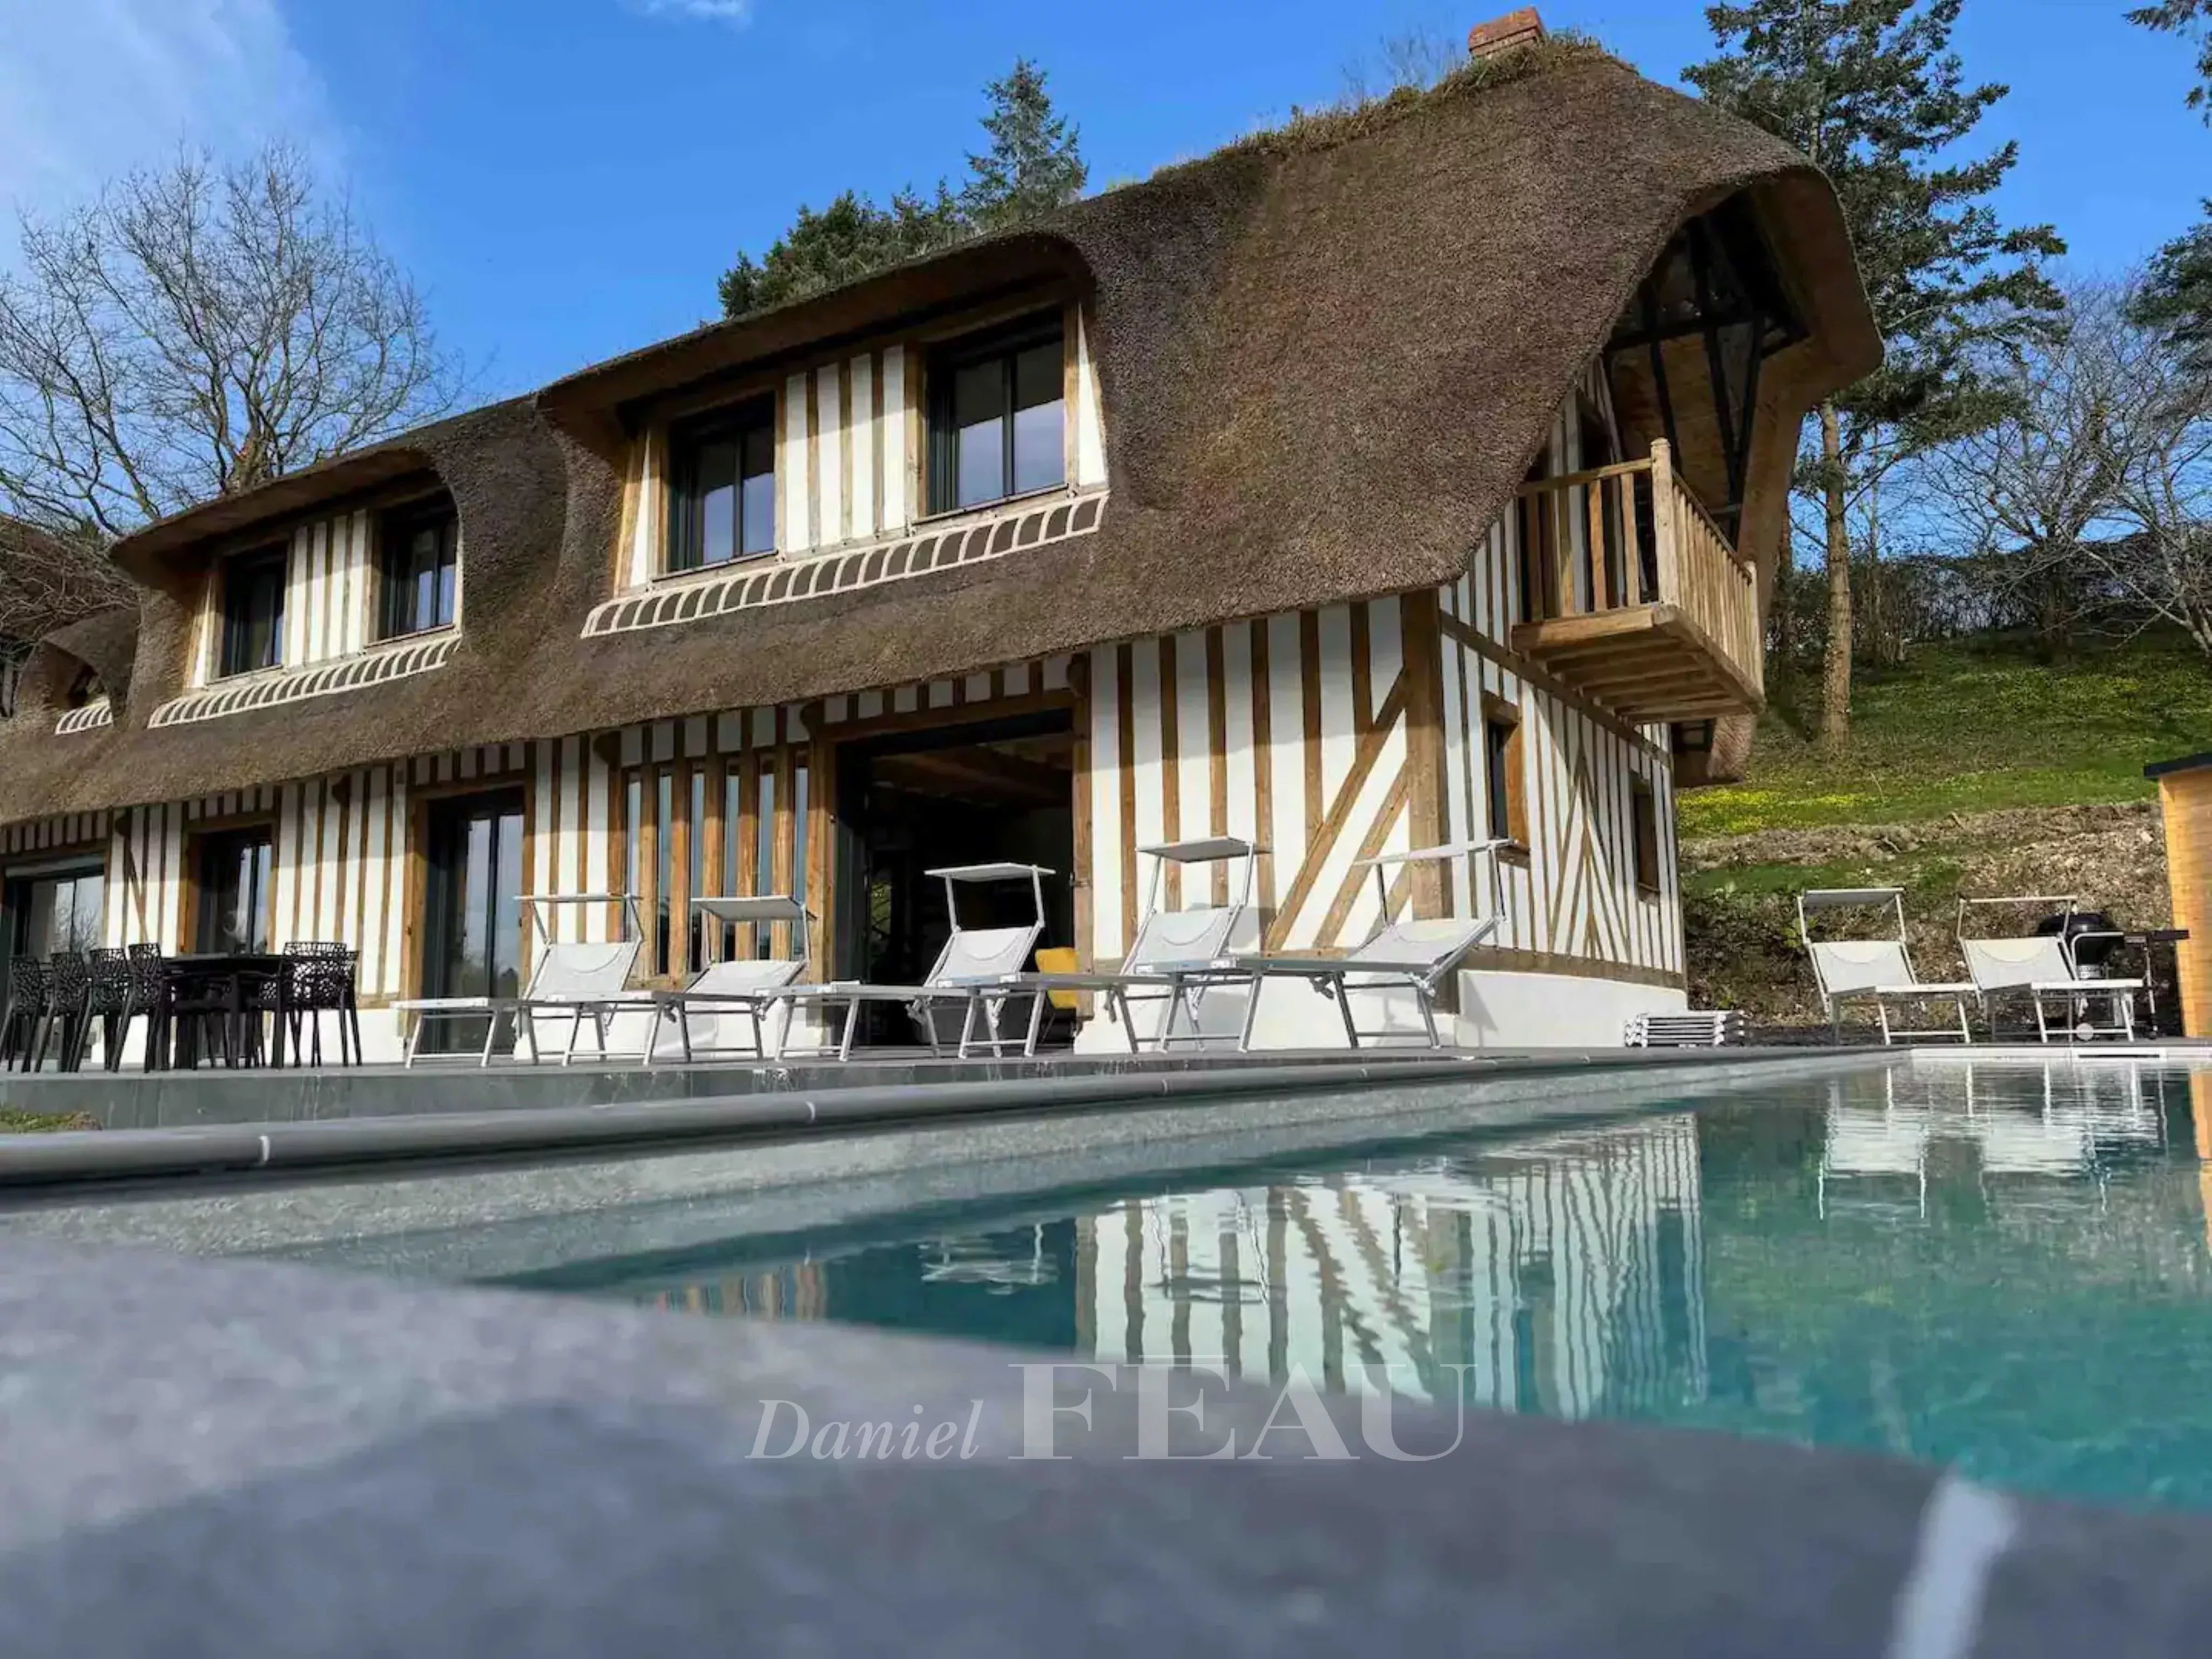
[
  {"x": 127, "y": 985},
  {"x": 23, "y": 1017},
  {"x": 203, "y": 1020},
  {"x": 320, "y": 978},
  {"x": 149, "y": 995},
  {"x": 69, "y": 1000}
]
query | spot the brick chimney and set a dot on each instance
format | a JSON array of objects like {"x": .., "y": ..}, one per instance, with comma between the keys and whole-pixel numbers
[{"x": 1517, "y": 28}]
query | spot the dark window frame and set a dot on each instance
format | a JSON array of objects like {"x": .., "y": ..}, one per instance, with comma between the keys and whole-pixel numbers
[
  {"x": 203, "y": 846},
  {"x": 1643, "y": 836},
  {"x": 396, "y": 588},
  {"x": 1505, "y": 790},
  {"x": 754, "y": 417},
  {"x": 1005, "y": 345},
  {"x": 233, "y": 636}
]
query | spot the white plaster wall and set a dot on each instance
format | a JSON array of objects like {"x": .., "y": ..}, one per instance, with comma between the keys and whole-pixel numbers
[{"x": 1552, "y": 1010}]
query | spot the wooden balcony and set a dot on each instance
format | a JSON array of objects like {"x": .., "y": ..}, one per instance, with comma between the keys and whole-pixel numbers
[{"x": 1638, "y": 599}]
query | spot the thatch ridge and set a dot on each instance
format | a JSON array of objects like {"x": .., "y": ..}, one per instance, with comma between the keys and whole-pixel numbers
[{"x": 1326, "y": 359}]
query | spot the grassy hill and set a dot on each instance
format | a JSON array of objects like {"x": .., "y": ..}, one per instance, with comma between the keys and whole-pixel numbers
[
  {"x": 1973, "y": 769},
  {"x": 1970, "y": 728}
]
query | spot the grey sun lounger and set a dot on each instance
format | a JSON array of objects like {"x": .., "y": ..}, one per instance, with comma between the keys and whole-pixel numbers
[
  {"x": 972, "y": 959},
  {"x": 579, "y": 979},
  {"x": 2041, "y": 966},
  {"x": 747, "y": 989},
  {"x": 1876, "y": 970},
  {"x": 1196, "y": 936},
  {"x": 1412, "y": 956}
]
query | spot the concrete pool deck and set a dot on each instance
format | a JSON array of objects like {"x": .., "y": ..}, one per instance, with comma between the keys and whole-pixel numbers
[
  {"x": 256, "y": 1459},
  {"x": 212, "y": 1096}
]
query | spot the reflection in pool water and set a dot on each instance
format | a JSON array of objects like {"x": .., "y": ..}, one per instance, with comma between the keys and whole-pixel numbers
[{"x": 2005, "y": 1267}]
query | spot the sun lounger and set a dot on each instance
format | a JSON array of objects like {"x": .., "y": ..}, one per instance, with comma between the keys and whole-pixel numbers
[
  {"x": 583, "y": 981},
  {"x": 744, "y": 989},
  {"x": 1192, "y": 937},
  {"x": 1408, "y": 956},
  {"x": 2042, "y": 966},
  {"x": 973, "y": 958},
  {"x": 1876, "y": 970}
]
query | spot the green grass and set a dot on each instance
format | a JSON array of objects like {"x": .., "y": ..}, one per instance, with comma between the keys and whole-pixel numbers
[
  {"x": 1970, "y": 728},
  {"x": 45, "y": 1123},
  {"x": 1932, "y": 876}
]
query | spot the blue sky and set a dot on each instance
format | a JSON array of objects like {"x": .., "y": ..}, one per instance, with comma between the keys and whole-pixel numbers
[{"x": 567, "y": 177}]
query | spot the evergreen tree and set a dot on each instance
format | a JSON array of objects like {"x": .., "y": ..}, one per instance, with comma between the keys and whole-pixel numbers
[
  {"x": 846, "y": 240},
  {"x": 1033, "y": 166},
  {"x": 1872, "y": 91},
  {"x": 2185, "y": 17},
  {"x": 2176, "y": 299}
]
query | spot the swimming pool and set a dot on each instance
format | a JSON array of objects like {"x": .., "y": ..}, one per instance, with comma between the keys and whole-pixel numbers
[{"x": 2002, "y": 1267}]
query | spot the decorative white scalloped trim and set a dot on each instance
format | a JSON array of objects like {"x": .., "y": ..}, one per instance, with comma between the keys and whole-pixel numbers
[
  {"x": 390, "y": 662},
  {"x": 784, "y": 582},
  {"x": 90, "y": 718}
]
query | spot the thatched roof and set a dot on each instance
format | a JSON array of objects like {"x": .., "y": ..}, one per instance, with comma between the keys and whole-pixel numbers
[{"x": 1326, "y": 357}]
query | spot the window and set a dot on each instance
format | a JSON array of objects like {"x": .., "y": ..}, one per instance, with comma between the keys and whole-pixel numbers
[
  {"x": 233, "y": 873},
  {"x": 1501, "y": 749},
  {"x": 722, "y": 475},
  {"x": 1643, "y": 815},
  {"x": 252, "y": 599},
  {"x": 997, "y": 411},
  {"x": 85, "y": 690},
  {"x": 419, "y": 570},
  {"x": 60, "y": 911}
]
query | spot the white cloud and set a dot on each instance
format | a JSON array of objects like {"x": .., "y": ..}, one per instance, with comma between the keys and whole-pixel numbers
[
  {"x": 91, "y": 88},
  {"x": 713, "y": 11}
]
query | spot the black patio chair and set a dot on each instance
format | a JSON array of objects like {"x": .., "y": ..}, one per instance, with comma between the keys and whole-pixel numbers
[
  {"x": 25, "y": 1013},
  {"x": 204, "y": 1022},
  {"x": 69, "y": 999},
  {"x": 148, "y": 995},
  {"x": 318, "y": 977}
]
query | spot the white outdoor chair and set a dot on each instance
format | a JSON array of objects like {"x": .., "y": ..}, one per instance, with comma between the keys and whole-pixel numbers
[
  {"x": 974, "y": 959},
  {"x": 1196, "y": 936},
  {"x": 744, "y": 989},
  {"x": 1876, "y": 970},
  {"x": 2042, "y": 966},
  {"x": 583, "y": 981},
  {"x": 1405, "y": 955}
]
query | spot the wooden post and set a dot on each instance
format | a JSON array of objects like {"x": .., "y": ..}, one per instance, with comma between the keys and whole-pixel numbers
[
  {"x": 1663, "y": 523},
  {"x": 1421, "y": 639}
]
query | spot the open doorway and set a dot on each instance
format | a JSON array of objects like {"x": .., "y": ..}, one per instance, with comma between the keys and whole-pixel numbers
[{"x": 910, "y": 802}]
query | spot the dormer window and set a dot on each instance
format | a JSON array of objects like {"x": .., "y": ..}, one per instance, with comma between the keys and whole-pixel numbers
[
  {"x": 997, "y": 416},
  {"x": 252, "y": 610},
  {"x": 418, "y": 575},
  {"x": 722, "y": 487}
]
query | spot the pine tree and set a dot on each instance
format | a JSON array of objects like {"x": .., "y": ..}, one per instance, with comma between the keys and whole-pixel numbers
[
  {"x": 2176, "y": 299},
  {"x": 1872, "y": 91},
  {"x": 1033, "y": 164},
  {"x": 844, "y": 241}
]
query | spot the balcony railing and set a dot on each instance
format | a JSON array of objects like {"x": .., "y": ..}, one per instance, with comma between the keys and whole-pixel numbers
[{"x": 1632, "y": 594}]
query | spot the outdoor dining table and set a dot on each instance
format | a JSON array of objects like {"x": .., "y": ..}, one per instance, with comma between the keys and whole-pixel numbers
[{"x": 236, "y": 971}]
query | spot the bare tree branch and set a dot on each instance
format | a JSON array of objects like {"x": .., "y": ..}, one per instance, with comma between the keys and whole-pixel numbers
[{"x": 195, "y": 330}]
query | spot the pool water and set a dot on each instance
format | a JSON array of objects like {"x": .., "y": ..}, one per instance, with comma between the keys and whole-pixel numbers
[{"x": 2008, "y": 1269}]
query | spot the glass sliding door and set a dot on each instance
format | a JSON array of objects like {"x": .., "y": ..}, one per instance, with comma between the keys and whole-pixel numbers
[
  {"x": 472, "y": 898},
  {"x": 234, "y": 903}
]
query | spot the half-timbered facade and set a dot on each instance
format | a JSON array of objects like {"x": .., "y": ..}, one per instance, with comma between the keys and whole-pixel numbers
[{"x": 1345, "y": 493}]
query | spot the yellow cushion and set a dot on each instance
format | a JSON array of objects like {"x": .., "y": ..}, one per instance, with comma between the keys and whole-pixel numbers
[{"x": 1058, "y": 959}]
